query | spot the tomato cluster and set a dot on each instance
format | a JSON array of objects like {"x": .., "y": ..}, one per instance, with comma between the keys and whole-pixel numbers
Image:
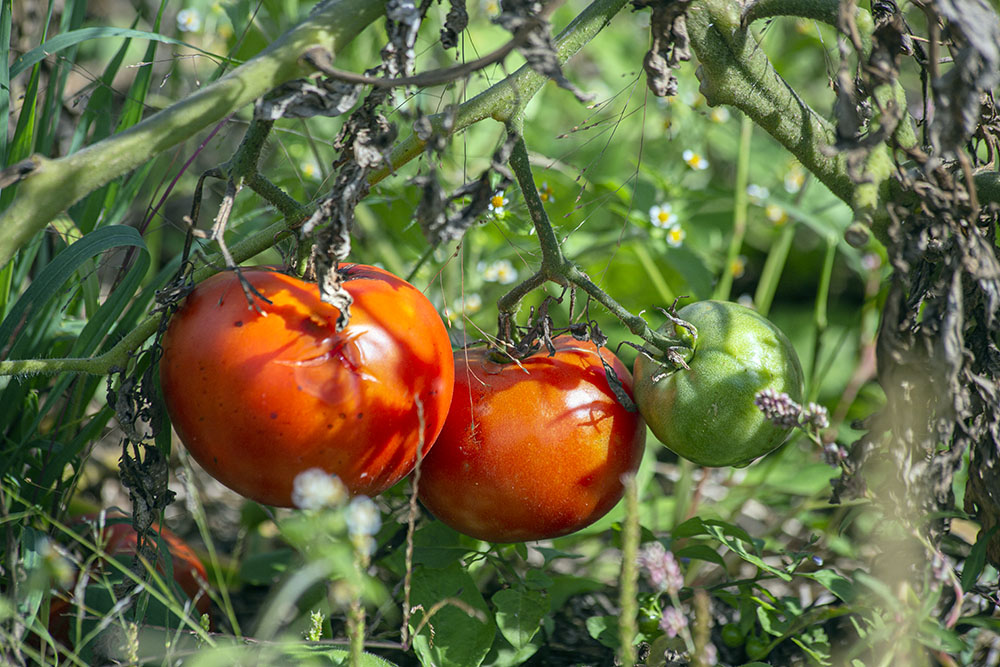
[{"x": 512, "y": 450}]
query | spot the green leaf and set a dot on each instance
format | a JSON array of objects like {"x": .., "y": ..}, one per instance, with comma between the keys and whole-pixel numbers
[
  {"x": 835, "y": 583},
  {"x": 519, "y": 614},
  {"x": 73, "y": 37},
  {"x": 550, "y": 554},
  {"x": 691, "y": 527},
  {"x": 5, "y": 22},
  {"x": 605, "y": 630},
  {"x": 701, "y": 552},
  {"x": 451, "y": 635},
  {"x": 976, "y": 561}
]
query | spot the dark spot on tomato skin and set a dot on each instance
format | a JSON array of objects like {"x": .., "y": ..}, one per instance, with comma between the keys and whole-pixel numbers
[
  {"x": 343, "y": 416},
  {"x": 215, "y": 459},
  {"x": 329, "y": 426},
  {"x": 361, "y": 415},
  {"x": 587, "y": 481},
  {"x": 274, "y": 415},
  {"x": 238, "y": 323},
  {"x": 299, "y": 387}
]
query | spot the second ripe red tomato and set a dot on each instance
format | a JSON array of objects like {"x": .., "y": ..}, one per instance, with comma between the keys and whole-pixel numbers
[
  {"x": 532, "y": 450},
  {"x": 259, "y": 396}
]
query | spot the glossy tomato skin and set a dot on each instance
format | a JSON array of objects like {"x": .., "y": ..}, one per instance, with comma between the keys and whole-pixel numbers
[
  {"x": 706, "y": 413},
  {"x": 258, "y": 397},
  {"x": 532, "y": 450}
]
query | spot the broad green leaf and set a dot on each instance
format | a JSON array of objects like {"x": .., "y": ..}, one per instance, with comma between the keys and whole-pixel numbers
[
  {"x": 604, "y": 629},
  {"x": 519, "y": 614},
  {"x": 701, "y": 552},
  {"x": 452, "y": 634},
  {"x": 833, "y": 582}
]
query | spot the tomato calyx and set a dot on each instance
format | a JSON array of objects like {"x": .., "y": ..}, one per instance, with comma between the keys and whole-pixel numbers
[
  {"x": 515, "y": 344},
  {"x": 680, "y": 347}
]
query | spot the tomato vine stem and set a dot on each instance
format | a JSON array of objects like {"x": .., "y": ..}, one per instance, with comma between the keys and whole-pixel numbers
[{"x": 556, "y": 267}]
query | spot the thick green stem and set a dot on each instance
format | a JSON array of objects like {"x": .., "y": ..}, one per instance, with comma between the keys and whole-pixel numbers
[
  {"x": 56, "y": 184},
  {"x": 736, "y": 71}
]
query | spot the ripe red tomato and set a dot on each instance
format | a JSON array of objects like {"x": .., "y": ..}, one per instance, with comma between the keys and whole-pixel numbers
[
  {"x": 120, "y": 540},
  {"x": 258, "y": 397},
  {"x": 534, "y": 449}
]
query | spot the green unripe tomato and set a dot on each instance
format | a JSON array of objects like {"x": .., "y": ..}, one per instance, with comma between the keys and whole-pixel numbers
[
  {"x": 756, "y": 647},
  {"x": 649, "y": 622},
  {"x": 706, "y": 413},
  {"x": 732, "y": 636}
]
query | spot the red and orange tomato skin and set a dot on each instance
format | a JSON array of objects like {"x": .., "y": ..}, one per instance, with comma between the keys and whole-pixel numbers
[
  {"x": 532, "y": 450},
  {"x": 258, "y": 397}
]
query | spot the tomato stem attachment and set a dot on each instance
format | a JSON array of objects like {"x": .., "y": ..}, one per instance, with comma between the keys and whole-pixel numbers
[{"x": 556, "y": 267}]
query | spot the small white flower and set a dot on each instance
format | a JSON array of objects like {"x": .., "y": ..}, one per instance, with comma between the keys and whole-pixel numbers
[
  {"x": 309, "y": 170},
  {"x": 363, "y": 517},
  {"x": 662, "y": 216},
  {"x": 695, "y": 160},
  {"x": 776, "y": 214},
  {"x": 491, "y": 7},
  {"x": 315, "y": 488},
  {"x": 745, "y": 300},
  {"x": 675, "y": 236},
  {"x": 500, "y": 271},
  {"x": 719, "y": 115},
  {"x": 757, "y": 193},
  {"x": 497, "y": 202},
  {"x": 795, "y": 179},
  {"x": 188, "y": 20},
  {"x": 471, "y": 303}
]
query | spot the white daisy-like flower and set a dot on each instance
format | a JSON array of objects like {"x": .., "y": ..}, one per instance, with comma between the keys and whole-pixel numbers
[
  {"x": 501, "y": 271},
  {"x": 675, "y": 236},
  {"x": 718, "y": 115},
  {"x": 545, "y": 193},
  {"x": 315, "y": 488},
  {"x": 363, "y": 517},
  {"x": 776, "y": 214},
  {"x": 188, "y": 20},
  {"x": 662, "y": 216},
  {"x": 309, "y": 170},
  {"x": 497, "y": 203},
  {"x": 695, "y": 160},
  {"x": 471, "y": 303},
  {"x": 795, "y": 179},
  {"x": 757, "y": 193}
]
